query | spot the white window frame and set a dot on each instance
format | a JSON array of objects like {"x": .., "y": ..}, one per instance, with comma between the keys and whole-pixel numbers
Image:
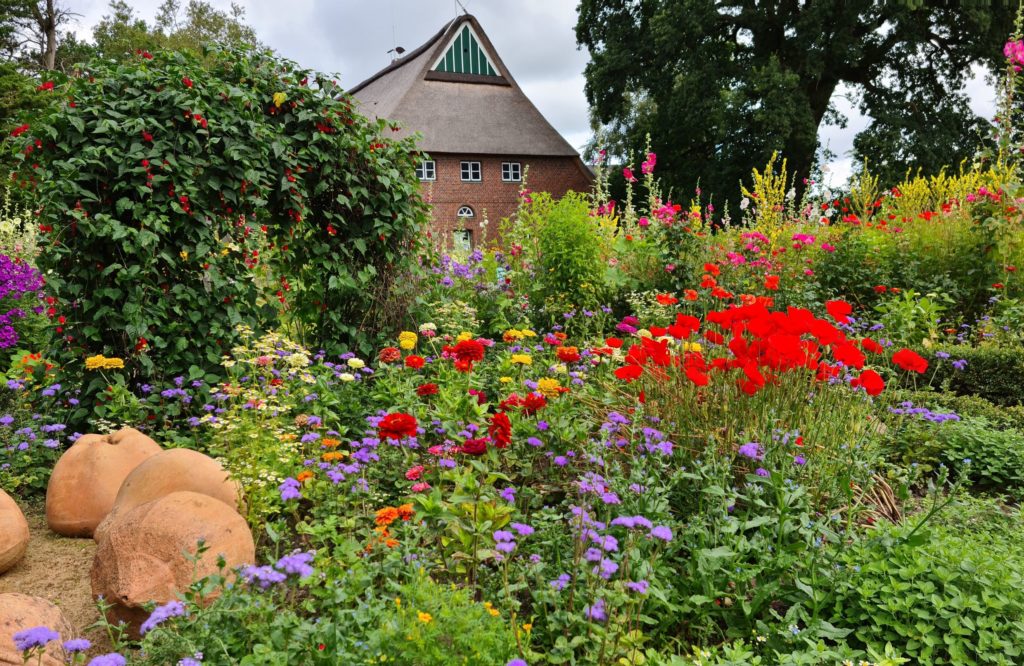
[
  {"x": 464, "y": 212},
  {"x": 467, "y": 168},
  {"x": 467, "y": 234},
  {"x": 426, "y": 171},
  {"x": 512, "y": 172}
]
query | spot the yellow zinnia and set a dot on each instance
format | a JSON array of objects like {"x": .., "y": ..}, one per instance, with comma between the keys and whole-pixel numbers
[
  {"x": 549, "y": 387},
  {"x": 465, "y": 335},
  {"x": 407, "y": 340},
  {"x": 522, "y": 359}
]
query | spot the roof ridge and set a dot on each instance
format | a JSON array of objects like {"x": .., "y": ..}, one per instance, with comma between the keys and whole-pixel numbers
[{"x": 409, "y": 57}]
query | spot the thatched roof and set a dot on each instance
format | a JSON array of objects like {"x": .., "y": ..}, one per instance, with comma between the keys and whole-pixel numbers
[{"x": 459, "y": 112}]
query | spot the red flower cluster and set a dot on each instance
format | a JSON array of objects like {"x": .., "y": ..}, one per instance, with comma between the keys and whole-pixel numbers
[
  {"x": 762, "y": 345},
  {"x": 500, "y": 430},
  {"x": 389, "y": 355},
  {"x": 531, "y": 404},
  {"x": 397, "y": 425},
  {"x": 466, "y": 353},
  {"x": 423, "y": 390},
  {"x": 568, "y": 354},
  {"x": 474, "y": 447},
  {"x": 910, "y": 361}
]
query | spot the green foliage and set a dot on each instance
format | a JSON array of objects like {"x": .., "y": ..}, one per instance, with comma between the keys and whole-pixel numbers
[
  {"x": 946, "y": 595},
  {"x": 725, "y": 86},
  {"x": 993, "y": 372},
  {"x": 966, "y": 406},
  {"x": 179, "y": 195},
  {"x": 911, "y": 318}
]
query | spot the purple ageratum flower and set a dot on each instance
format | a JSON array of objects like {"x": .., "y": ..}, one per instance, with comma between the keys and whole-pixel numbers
[
  {"x": 960, "y": 364},
  {"x": 296, "y": 563},
  {"x": 504, "y": 535},
  {"x": 161, "y": 614},
  {"x": 522, "y": 529},
  {"x": 505, "y": 546},
  {"x": 508, "y": 494},
  {"x": 289, "y": 489},
  {"x": 942, "y": 355},
  {"x": 761, "y": 471},
  {"x": 36, "y": 637},
  {"x": 596, "y": 612},
  {"x": 264, "y": 576},
  {"x": 752, "y": 450},
  {"x": 606, "y": 568},
  {"x": 800, "y": 461},
  {"x": 77, "y": 645},
  {"x": 561, "y": 582},
  {"x": 310, "y": 437},
  {"x": 112, "y": 659},
  {"x": 543, "y": 425},
  {"x": 640, "y": 586},
  {"x": 624, "y": 521},
  {"x": 6, "y": 420},
  {"x": 517, "y": 662},
  {"x": 661, "y": 532},
  {"x": 532, "y": 441},
  {"x": 189, "y": 661}
]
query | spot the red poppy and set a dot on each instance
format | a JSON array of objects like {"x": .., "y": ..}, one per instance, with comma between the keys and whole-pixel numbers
[
  {"x": 867, "y": 344},
  {"x": 614, "y": 343},
  {"x": 500, "y": 430},
  {"x": 423, "y": 390},
  {"x": 910, "y": 360},
  {"x": 696, "y": 376},
  {"x": 839, "y": 310},
  {"x": 414, "y": 362},
  {"x": 666, "y": 299},
  {"x": 848, "y": 355},
  {"x": 880, "y": 289},
  {"x": 771, "y": 283},
  {"x": 871, "y": 381},
  {"x": 629, "y": 372},
  {"x": 474, "y": 447},
  {"x": 568, "y": 354},
  {"x": 397, "y": 425},
  {"x": 712, "y": 268},
  {"x": 690, "y": 295},
  {"x": 187, "y": 82}
]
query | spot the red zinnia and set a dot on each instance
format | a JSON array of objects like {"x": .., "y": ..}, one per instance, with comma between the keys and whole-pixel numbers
[
  {"x": 533, "y": 403},
  {"x": 666, "y": 299},
  {"x": 500, "y": 430},
  {"x": 475, "y": 447},
  {"x": 468, "y": 351},
  {"x": 389, "y": 355},
  {"x": 910, "y": 360},
  {"x": 614, "y": 343},
  {"x": 423, "y": 390},
  {"x": 414, "y": 362},
  {"x": 771, "y": 283},
  {"x": 568, "y": 354},
  {"x": 397, "y": 425}
]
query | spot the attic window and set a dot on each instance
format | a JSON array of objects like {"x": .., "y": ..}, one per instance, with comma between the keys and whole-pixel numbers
[{"x": 466, "y": 56}]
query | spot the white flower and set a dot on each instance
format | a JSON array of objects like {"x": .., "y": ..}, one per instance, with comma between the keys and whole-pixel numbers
[
  {"x": 347, "y": 376},
  {"x": 428, "y": 327},
  {"x": 791, "y": 194},
  {"x": 744, "y": 202},
  {"x": 356, "y": 363}
]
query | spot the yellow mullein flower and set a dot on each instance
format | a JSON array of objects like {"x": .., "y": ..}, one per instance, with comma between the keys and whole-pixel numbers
[
  {"x": 549, "y": 387},
  {"x": 425, "y": 618},
  {"x": 407, "y": 340},
  {"x": 522, "y": 359}
]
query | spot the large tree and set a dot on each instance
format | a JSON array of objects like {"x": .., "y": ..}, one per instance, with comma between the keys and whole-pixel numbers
[{"x": 719, "y": 86}]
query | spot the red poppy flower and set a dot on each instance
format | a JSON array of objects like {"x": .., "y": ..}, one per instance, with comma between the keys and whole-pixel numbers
[
  {"x": 666, "y": 299},
  {"x": 423, "y": 390},
  {"x": 712, "y": 268},
  {"x": 500, "y": 430},
  {"x": 568, "y": 354},
  {"x": 871, "y": 381},
  {"x": 839, "y": 310},
  {"x": 397, "y": 425},
  {"x": 614, "y": 343},
  {"x": 690, "y": 295},
  {"x": 629, "y": 372},
  {"x": 414, "y": 362},
  {"x": 696, "y": 376},
  {"x": 848, "y": 355},
  {"x": 880, "y": 289},
  {"x": 910, "y": 361},
  {"x": 474, "y": 447},
  {"x": 771, "y": 283},
  {"x": 867, "y": 344}
]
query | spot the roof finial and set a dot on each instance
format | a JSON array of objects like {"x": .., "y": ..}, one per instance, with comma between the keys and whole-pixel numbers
[{"x": 461, "y": 6}]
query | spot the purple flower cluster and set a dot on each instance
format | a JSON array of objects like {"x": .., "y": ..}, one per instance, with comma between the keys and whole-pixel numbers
[
  {"x": 297, "y": 564},
  {"x": 908, "y": 409},
  {"x": 36, "y": 637},
  {"x": 161, "y": 614}
]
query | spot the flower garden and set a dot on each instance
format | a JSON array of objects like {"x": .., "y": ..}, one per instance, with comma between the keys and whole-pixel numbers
[{"x": 628, "y": 434}]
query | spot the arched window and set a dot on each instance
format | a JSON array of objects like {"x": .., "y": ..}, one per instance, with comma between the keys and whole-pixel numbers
[{"x": 465, "y": 211}]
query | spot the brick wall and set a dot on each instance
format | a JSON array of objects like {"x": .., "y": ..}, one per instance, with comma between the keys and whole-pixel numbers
[{"x": 492, "y": 197}]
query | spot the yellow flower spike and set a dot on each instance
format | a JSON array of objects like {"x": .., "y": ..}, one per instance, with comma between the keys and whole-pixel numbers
[{"x": 279, "y": 98}]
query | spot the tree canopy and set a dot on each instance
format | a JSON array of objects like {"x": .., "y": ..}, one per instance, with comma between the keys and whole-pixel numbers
[{"x": 720, "y": 86}]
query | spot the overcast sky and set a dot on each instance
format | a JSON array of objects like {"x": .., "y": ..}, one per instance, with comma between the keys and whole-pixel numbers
[{"x": 535, "y": 39}]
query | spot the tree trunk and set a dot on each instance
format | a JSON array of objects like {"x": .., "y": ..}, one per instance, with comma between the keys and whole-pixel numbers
[
  {"x": 802, "y": 150},
  {"x": 49, "y": 29}
]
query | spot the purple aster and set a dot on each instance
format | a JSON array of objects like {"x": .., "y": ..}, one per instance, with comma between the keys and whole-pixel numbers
[{"x": 516, "y": 662}]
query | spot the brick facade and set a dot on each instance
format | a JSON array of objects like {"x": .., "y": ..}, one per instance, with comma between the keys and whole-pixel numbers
[{"x": 491, "y": 196}]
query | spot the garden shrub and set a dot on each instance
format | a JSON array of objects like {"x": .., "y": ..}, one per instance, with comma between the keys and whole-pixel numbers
[
  {"x": 181, "y": 197},
  {"x": 965, "y": 406},
  {"x": 995, "y": 373},
  {"x": 945, "y": 595}
]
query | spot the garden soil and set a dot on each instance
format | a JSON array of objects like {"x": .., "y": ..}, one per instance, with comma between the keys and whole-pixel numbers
[{"x": 57, "y": 568}]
